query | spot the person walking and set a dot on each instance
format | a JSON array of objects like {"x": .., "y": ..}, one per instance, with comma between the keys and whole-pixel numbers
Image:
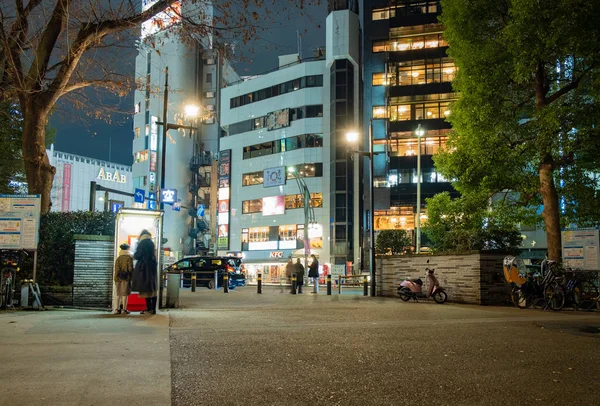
[
  {"x": 122, "y": 278},
  {"x": 299, "y": 269},
  {"x": 145, "y": 276},
  {"x": 289, "y": 270},
  {"x": 313, "y": 272}
]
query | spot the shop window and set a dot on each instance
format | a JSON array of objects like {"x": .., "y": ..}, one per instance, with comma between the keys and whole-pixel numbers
[
  {"x": 287, "y": 233},
  {"x": 258, "y": 234},
  {"x": 379, "y": 112},
  {"x": 136, "y": 132},
  {"x": 254, "y": 178}
]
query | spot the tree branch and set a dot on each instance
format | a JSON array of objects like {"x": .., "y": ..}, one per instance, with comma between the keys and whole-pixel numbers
[{"x": 564, "y": 90}]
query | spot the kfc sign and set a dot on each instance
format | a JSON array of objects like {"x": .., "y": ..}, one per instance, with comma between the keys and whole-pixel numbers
[{"x": 276, "y": 254}]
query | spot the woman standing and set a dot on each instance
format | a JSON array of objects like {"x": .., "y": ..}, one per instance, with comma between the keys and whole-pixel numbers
[
  {"x": 145, "y": 276},
  {"x": 313, "y": 272},
  {"x": 123, "y": 273}
]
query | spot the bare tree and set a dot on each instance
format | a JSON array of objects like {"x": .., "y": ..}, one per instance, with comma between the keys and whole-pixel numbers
[{"x": 53, "y": 48}]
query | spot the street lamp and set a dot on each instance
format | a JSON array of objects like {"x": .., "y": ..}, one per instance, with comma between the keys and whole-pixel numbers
[
  {"x": 419, "y": 133},
  {"x": 309, "y": 212},
  {"x": 352, "y": 137}
]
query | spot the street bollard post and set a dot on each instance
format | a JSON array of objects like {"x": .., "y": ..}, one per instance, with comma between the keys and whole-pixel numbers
[
  {"x": 366, "y": 285},
  {"x": 293, "y": 292},
  {"x": 225, "y": 283},
  {"x": 216, "y": 280},
  {"x": 259, "y": 284},
  {"x": 163, "y": 278},
  {"x": 328, "y": 285},
  {"x": 339, "y": 284},
  {"x": 194, "y": 282}
]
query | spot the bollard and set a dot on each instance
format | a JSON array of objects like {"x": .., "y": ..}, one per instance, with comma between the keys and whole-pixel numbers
[
  {"x": 339, "y": 285},
  {"x": 194, "y": 282},
  {"x": 259, "y": 285},
  {"x": 163, "y": 278},
  {"x": 366, "y": 284},
  {"x": 328, "y": 285},
  {"x": 226, "y": 283},
  {"x": 293, "y": 292},
  {"x": 216, "y": 280}
]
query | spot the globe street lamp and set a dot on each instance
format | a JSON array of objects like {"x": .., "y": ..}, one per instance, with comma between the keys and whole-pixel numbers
[
  {"x": 419, "y": 132},
  {"x": 309, "y": 212},
  {"x": 352, "y": 137}
]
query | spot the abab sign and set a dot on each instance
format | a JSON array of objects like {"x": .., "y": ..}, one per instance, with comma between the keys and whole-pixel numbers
[{"x": 168, "y": 196}]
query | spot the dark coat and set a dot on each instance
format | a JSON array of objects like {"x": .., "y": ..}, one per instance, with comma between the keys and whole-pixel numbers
[
  {"x": 313, "y": 269},
  {"x": 299, "y": 270},
  {"x": 145, "y": 276}
]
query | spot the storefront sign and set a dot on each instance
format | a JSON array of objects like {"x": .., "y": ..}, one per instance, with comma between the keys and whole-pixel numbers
[
  {"x": 66, "y": 197},
  {"x": 273, "y": 205},
  {"x": 110, "y": 176},
  {"x": 224, "y": 176},
  {"x": 276, "y": 254},
  {"x": 274, "y": 177},
  {"x": 278, "y": 119},
  {"x": 168, "y": 196}
]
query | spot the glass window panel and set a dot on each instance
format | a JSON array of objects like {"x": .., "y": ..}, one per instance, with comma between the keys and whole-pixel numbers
[
  {"x": 379, "y": 79},
  {"x": 379, "y": 112}
]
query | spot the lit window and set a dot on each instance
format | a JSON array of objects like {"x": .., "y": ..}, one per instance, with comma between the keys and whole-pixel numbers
[
  {"x": 379, "y": 112},
  {"x": 379, "y": 79}
]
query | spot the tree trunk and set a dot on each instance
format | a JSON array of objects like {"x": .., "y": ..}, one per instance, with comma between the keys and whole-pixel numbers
[
  {"x": 39, "y": 172},
  {"x": 551, "y": 213}
]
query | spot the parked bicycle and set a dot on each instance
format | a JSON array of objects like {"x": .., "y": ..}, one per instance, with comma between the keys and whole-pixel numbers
[{"x": 10, "y": 265}]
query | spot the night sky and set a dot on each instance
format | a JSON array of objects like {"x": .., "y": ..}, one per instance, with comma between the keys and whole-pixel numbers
[{"x": 79, "y": 134}]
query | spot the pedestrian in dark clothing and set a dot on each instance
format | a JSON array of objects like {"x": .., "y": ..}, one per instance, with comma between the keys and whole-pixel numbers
[
  {"x": 313, "y": 272},
  {"x": 289, "y": 270},
  {"x": 299, "y": 269},
  {"x": 145, "y": 273}
]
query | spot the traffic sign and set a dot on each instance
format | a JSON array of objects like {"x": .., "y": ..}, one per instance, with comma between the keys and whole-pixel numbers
[{"x": 138, "y": 195}]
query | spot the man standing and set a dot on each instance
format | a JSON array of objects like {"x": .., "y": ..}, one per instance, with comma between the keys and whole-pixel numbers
[
  {"x": 289, "y": 270},
  {"x": 299, "y": 269},
  {"x": 313, "y": 272}
]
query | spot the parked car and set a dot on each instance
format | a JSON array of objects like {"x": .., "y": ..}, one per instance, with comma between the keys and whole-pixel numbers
[{"x": 204, "y": 268}]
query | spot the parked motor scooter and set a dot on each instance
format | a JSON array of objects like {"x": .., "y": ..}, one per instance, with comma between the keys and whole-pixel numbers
[{"x": 413, "y": 288}]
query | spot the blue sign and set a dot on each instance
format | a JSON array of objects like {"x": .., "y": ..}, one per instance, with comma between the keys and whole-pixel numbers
[
  {"x": 177, "y": 205},
  {"x": 200, "y": 211},
  {"x": 152, "y": 201},
  {"x": 138, "y": 195},
  {"x": 115, "y": 206},
  {"x": 168, "y": 196}
]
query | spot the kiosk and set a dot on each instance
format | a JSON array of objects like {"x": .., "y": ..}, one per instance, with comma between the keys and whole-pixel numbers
[{"x": 128, "y": 226}]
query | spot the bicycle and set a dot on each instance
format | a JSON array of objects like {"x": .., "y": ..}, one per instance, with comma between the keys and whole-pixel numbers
[
  {"x": 8, "y": 275},
  {"x": 530, "y": 288}
]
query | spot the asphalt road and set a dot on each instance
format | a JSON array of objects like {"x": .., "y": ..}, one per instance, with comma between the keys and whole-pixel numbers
[{"x": 280, "y": 349}]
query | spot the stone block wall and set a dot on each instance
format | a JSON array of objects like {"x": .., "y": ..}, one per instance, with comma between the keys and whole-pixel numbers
[{"x": 472, "y": 278}]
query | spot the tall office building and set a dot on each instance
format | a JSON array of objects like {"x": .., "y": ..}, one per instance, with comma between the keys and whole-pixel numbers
[
  {"x": 407, "y": 83},
  {"x": 195, "y": 75}
]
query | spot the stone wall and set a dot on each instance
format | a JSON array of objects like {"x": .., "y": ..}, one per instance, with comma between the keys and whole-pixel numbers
[{"x": 472, "y": 278}]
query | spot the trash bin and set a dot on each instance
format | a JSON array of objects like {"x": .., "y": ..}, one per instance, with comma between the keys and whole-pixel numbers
[{"x": 173, "y": 283}]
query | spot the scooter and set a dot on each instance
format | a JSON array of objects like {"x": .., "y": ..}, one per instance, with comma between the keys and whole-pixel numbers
[{"x": 413, "y": 288}]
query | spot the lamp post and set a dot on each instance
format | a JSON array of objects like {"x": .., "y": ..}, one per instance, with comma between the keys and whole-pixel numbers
[
  {"x": 191, "y": 111},
  {"x": 352, "y": 137},
  {"x": 419, "y": 132},
  {"x": 309, "y": 213}
]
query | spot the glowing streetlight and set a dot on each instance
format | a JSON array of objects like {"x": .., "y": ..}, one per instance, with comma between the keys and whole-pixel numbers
[{"x": 192, "y": 110}]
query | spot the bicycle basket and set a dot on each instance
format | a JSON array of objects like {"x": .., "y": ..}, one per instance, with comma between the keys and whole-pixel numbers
[{"x": 514, "y": 270}]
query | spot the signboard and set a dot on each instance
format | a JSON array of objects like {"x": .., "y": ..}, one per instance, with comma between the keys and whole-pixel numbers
[
  {"x": 66, "y": 197},
  {"x": 224, "y": 177},
  {"x": 200, "y": 211},
  {"x": 152, "y": 201},
  {"x": 273, "y": 205},
  {"x": 116, "y": 205},
  {"x": 278, "y": 119},
  {"x": 274, "y": 177},
  {"x": 115, "y": 176},
  {"x": 168, "y": 196},
  {"x": 581, "y": 249},
  {"x": 177, "y": 205},
  {"x": 19, "y": 221},
  {"x": 276, "y": 254},
  {"x": 138, "y": 195}
]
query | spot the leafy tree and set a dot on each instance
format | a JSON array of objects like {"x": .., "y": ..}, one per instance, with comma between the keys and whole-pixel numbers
[
  {"x": 462, "y": 225},
  {"x": 11, "y": 164},
  {"x": 527, "y": 117},
  {"x": 394, "y": 241},
  {"x": 53, "y": 48}
]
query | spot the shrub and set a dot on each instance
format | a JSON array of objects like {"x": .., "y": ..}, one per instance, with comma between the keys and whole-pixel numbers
[{"x": 393, "y": 241}]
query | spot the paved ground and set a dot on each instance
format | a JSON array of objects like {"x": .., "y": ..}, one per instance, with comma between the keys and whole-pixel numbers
[{"x": 279, "y": 349}]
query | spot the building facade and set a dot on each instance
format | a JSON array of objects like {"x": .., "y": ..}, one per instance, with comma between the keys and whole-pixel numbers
[
  {"x": 73, "y": 178},
  {"x": 407, "y": 85},
  {"x": 189, "y": 106},
  {"x": 286, "y": 129}
]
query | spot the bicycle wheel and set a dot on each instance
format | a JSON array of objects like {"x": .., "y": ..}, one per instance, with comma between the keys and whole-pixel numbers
[
  {"x": 554, "y": 295},
  {"x": 519, "y": 298},
  {"x": 584, "y": 291}
]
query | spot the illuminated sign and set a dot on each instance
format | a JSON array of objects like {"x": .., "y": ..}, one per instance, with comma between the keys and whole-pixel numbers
[
  {"x": 278, "y": 119},
  {"x": 273, "y": 205},
  {"x": 224, "y": 177},
  {"x": 276, "y": 254},
  {"x": 274, "y": 176},
  {"x": 113, "y": 177},
  {"x": 168, "y": 196}
]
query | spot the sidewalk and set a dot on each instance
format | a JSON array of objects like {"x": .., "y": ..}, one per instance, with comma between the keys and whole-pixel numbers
[{"x": 71, "y": 357}]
